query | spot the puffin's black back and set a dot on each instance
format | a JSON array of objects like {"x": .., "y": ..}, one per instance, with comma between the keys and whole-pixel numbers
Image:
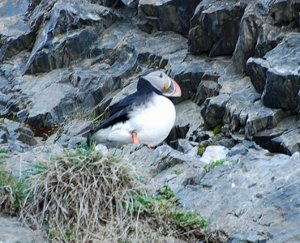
[{"x": 119, "y": 111}]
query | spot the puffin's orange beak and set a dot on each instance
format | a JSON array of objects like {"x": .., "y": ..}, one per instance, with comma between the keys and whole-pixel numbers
[{"x": 176, "y": 90}]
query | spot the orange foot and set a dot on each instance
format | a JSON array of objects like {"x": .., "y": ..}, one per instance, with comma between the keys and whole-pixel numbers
[{"x": 134, "y": 137}]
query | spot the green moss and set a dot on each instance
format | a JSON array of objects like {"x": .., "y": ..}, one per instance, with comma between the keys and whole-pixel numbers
[
  {"x": 217, "y": 129},
  {"x": 201, "y": 150},
  {"x": 214, "y": 164},
  {"x": 178, "y": 171}
]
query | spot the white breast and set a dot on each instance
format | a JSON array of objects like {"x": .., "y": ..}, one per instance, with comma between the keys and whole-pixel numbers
[{"x": 154, "y": 120}]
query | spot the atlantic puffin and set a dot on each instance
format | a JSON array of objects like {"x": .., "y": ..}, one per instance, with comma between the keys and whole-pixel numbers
[{"x": 144, "y": 117}]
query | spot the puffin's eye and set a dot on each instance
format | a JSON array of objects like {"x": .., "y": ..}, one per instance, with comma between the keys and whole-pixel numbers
[{"x": 161, "y": 75}]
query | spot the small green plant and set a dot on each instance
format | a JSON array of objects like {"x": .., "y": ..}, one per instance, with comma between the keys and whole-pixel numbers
[
  {"x": 3, "y": 154},
  {"x": 3, "y": 150},
  {"x": 188, "y": 219},
  {"x": 166, "y": 193},
  {"x": 178, "y": 171},
  {"x": 214, "y": 164},
  {"x": 217, "y": 129},
  {"x": 12, "y": 193},
  {"x": 201, "y": 150},
  {"x": 164, "y": 206},
  {"x": 91, "y": 116}
]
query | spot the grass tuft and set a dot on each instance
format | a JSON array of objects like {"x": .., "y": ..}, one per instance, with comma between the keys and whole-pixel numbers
[
  {"x": 77, "y": 193},
  {"x": 12, "y": 193},
  {"x": 82, "y": 196},
  {"x": 214, "y": 164}
]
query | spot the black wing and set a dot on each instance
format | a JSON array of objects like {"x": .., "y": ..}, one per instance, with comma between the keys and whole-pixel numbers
[
  {"x": 144, "y": 89},
  {"x": 119, "y": 112}
]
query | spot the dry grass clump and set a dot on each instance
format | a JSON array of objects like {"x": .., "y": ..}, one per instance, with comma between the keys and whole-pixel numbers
[
  {"x": 78, "y": 194},
  {"x": 83, "y": 196}
]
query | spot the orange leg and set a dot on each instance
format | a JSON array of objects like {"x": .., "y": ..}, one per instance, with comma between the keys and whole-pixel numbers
[{"x": 134, "y": 137}]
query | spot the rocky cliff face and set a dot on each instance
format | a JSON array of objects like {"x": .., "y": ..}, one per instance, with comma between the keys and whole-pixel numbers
[{"x": 238, "y": 63}]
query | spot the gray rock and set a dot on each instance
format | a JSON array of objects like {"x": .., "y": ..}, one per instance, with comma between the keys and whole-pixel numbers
[
  {"x": 259, "y": 28},
  {"x": 256, "y": 68},
  {"x": 168, "y": 158},
  {"x": 65, "y": 35},
  {"x": 227, "y": 142},
  {"x": 131, "y": 3},
  {"x": 205, "y": 90},
  {"x": 19, "y": 163},
  {"x": 250, "y": 144},
  {"x": 284, "y": 138},
  {"x": 3, "y": 136},
  {"x": 253, "y": 17},
  {"x": 26, "y": 136},
  {"x": 108, "y": 3},
  {"x": 15, "y": 33},
  {"x": 12, "y": 231},
  {"x": 200, "y": 135},
  {"x": 18, "y": 136},
  {"x": 48, "y": 110},
  {"x": 4, "y": 99},
  {"x": 284, "y": 11},
  {"x": 77, "y": 142},
  {"x": 268, "y": 38},
  {"x": 214, "y": 110},
  {"x": 149, "y": 163},
  {"x": 265, "y": 198},
  {"x": 190, "y": 71},
  {"x": 168, "y": 14},
  {"x": 188, "y": 112},
  {"x": 214, "y": 153},
  {"x": 239, "y": 107},
  {"x": 259, "y": 118},
  {"x": 205, "y": 143},
  {"x": 188, "y": 76},
  {"x": 244, "y": 109},
  {"x": 78, "y": 127},
  {"x": 237, "y": 151},
  {"x": 188, "y": 119},
  {"x": 215, "y": 27},
  {"x": 183, "y": 145},
  {"x": 278, "y": 79}
]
